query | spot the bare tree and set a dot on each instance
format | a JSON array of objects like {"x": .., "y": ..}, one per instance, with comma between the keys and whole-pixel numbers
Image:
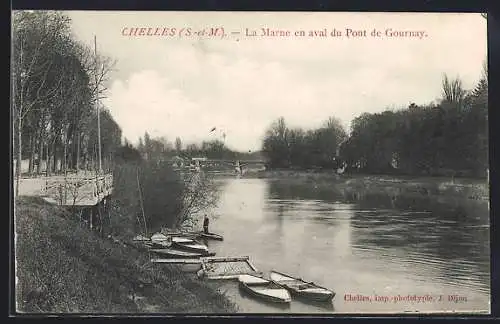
[
  {"x": 199, "y": 194},
  {"x": 453, "y": 91},
  {"x": 31, "y": 65},
  {"x": 100, "y": 67}
]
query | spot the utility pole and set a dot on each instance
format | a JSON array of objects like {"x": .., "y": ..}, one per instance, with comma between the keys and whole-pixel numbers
[{"x": 97, "y": 106}]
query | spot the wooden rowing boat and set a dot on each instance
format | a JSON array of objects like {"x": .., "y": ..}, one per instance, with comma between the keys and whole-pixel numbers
[
  {"x": 167, "y": 241},
  {"x": 175, "y": 253},
  {"x": 159, "y": 237},
  {"x": 192, "y": 247},
  {"x": 159, "y": 240},
  {"x": 208, "y": 236},
  {"x": 159, "y": 244},
  {"x": 180, "y": 239},
  {"x": 211, "y": 236},
  {"x": 301, "y": 288},
  {"x": 264, "y": 289}
]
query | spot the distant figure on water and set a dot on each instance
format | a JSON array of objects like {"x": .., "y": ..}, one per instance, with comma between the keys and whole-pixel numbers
[{"x": 205, "y": 224}]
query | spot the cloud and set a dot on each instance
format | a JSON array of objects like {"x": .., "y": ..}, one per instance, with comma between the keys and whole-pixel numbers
[{"x": 186, "y": 87}]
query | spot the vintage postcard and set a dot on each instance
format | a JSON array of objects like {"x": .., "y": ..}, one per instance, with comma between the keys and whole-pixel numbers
[{"x": 250, "y": 162}]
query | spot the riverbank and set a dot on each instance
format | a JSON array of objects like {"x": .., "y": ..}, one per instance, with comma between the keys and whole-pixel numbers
[
  {"x": 63, "y": 267},
  {"x": 477, "y": 189}
]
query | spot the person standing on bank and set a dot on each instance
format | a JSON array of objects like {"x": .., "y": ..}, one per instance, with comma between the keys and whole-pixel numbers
[{"x": 205, "y": 224}]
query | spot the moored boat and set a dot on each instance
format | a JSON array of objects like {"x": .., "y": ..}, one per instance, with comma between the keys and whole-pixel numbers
[
  {"x": 264, "y": 289},
  {"x": 192, "y": 247},
  {"x": 212, "y": 236},
  {"x": 301, "y": 288},
  {"x": 175, "y": 253},
  {"x": 158, "y": 237},
  {"x": 180, "y": 239},
  {"x": 193, "y": 235},
  {"x": 161, "y": 240},
  {"x": 160, "y": 244}
]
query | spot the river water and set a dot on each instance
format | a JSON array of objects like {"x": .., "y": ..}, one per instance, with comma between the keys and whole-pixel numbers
[{"x": 375, "y": 246}]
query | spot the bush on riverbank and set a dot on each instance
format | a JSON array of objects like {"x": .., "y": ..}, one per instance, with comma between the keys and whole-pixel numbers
[
  {"x": 169, "y": 198},
  {"x": 64, "y": 267},
  {"x": 160, "y": 189}
]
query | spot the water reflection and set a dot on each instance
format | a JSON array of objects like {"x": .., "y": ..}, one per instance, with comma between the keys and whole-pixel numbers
[{"x": 358, "y": 243}]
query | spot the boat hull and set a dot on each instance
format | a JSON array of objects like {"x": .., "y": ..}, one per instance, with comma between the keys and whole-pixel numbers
[
  {"x": 212, "y": 236},
  {"x": 319, "y": 297},
  {"x": 255, "y": 291},
  {"x": 182, "y": 240},
  {"x": 160, "y": 244},
  {"x": 197, "y": 248},
  {"x": 176, "y": 253},
  {"x": 302, "y": 289},
  {"x": 209, "y": 236},
  {"x": 264, "y": 289}
]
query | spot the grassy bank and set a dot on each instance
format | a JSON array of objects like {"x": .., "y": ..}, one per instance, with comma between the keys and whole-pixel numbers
[
  {"x": 458, "y": 187},
  {"x": 64, "y": 267}
]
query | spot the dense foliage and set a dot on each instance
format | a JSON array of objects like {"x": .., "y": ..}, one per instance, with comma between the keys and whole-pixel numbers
[
  {"x": 449, "y": 138},
  {"x": 287, "y": 147}
]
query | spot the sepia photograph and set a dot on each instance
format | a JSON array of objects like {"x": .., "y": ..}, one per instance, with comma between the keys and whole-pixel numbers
[{"x": 189, "y": 162}]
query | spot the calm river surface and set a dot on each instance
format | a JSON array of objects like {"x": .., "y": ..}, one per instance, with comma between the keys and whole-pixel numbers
[{"x": 357, "y": 245}]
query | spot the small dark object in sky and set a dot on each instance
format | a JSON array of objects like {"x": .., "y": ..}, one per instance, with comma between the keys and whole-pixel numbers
[{"x": 212, "y": 129}]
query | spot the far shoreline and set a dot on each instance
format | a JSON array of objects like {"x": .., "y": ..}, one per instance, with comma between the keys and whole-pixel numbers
[{"x": 467, "y": 188}]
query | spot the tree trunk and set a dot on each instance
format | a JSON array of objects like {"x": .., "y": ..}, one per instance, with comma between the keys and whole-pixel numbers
[
  {"x": 40, "y": 154},
  {"x": 78, "y": 152},
  {"x": 54, "y": 157},
  {"x": 58, "y": 153},
  {"x": 32, "y": 155},
  {"x": 95, "y": 159},
  {"x": 47, "y": 161},
  {"x": 65, "y": 157},
  {"x": 19, "y": 156}
]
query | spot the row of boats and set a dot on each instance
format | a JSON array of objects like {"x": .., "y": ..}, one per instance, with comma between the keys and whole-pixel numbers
[
  {"x": 278, "y": 287},
  {"x": 183, "y": 245}
]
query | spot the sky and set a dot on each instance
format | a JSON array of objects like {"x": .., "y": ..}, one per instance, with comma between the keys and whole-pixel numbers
[{"x": 185, "y": 86}]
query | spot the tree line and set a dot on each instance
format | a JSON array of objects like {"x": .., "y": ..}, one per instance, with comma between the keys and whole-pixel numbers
[
  {"x": 56, "y": 84},
  {"x": 287, "y": 147},
  {"x": 449, "y": 138},
  {"x": 160, "y": 148}
]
